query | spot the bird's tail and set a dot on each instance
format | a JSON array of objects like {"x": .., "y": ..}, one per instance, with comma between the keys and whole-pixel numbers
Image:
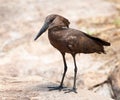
[{"x": 101, "y": 41}]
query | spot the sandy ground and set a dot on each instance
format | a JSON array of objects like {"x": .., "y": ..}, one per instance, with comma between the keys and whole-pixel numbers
[{"x": 28, "y": 67}]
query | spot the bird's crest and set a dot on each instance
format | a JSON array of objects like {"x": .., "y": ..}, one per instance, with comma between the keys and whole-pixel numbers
[{"x": 59, "y": 21}]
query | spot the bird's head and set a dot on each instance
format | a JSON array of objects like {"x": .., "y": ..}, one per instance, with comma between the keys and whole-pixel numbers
[{"x": 52, "y": 21}]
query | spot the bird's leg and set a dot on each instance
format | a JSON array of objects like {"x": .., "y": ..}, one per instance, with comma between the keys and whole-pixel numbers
[
  {"x": 75, "y": 72},
  {"x": 65, "y": 70}
]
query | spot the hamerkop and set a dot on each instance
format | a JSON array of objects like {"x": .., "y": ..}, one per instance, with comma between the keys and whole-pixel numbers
[{"x": 68, "y": 40}]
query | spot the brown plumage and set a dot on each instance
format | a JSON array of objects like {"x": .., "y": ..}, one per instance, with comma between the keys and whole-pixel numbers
[{"x": 68, "y": 40}]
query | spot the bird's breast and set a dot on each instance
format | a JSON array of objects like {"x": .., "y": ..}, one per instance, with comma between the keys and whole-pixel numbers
[{"x": 57, "y": 39}]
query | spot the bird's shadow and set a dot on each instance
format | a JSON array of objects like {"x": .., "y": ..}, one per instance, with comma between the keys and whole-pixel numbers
[{"x": 50, "y": 87}]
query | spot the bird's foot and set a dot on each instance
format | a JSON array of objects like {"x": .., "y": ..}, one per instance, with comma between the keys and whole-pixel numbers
[
  {"x": 72, "y": 90},
  {"x": 56, "y": 88}
]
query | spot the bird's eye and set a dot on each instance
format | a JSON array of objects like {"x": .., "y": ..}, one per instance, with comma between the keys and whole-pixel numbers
[{"x": 51, "y": 20}]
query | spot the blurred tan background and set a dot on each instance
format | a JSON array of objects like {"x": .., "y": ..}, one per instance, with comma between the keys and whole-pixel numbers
[{"x": 26, "y": 65}]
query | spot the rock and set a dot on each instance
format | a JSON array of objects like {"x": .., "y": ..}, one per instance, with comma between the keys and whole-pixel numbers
[{"x": 115, "y": 82}]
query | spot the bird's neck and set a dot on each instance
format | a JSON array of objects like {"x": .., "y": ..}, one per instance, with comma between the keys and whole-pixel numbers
[{"x": 57, "y": 28}]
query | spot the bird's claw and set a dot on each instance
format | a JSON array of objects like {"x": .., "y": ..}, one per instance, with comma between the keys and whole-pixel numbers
[
  {"x": 56, "y": 88},
  {"x": 72, "y": 90}
]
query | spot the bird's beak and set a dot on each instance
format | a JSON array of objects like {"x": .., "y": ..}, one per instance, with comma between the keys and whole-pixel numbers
[{"x": 42, "y": 30}]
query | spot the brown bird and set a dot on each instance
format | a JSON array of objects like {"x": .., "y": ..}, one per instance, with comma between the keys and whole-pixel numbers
[{"x": 68, "y": 40}]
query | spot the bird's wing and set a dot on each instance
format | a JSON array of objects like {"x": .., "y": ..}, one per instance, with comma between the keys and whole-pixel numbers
[
  {"x": 78, "y": 42},
  {"x": 82, "y": 43}
]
